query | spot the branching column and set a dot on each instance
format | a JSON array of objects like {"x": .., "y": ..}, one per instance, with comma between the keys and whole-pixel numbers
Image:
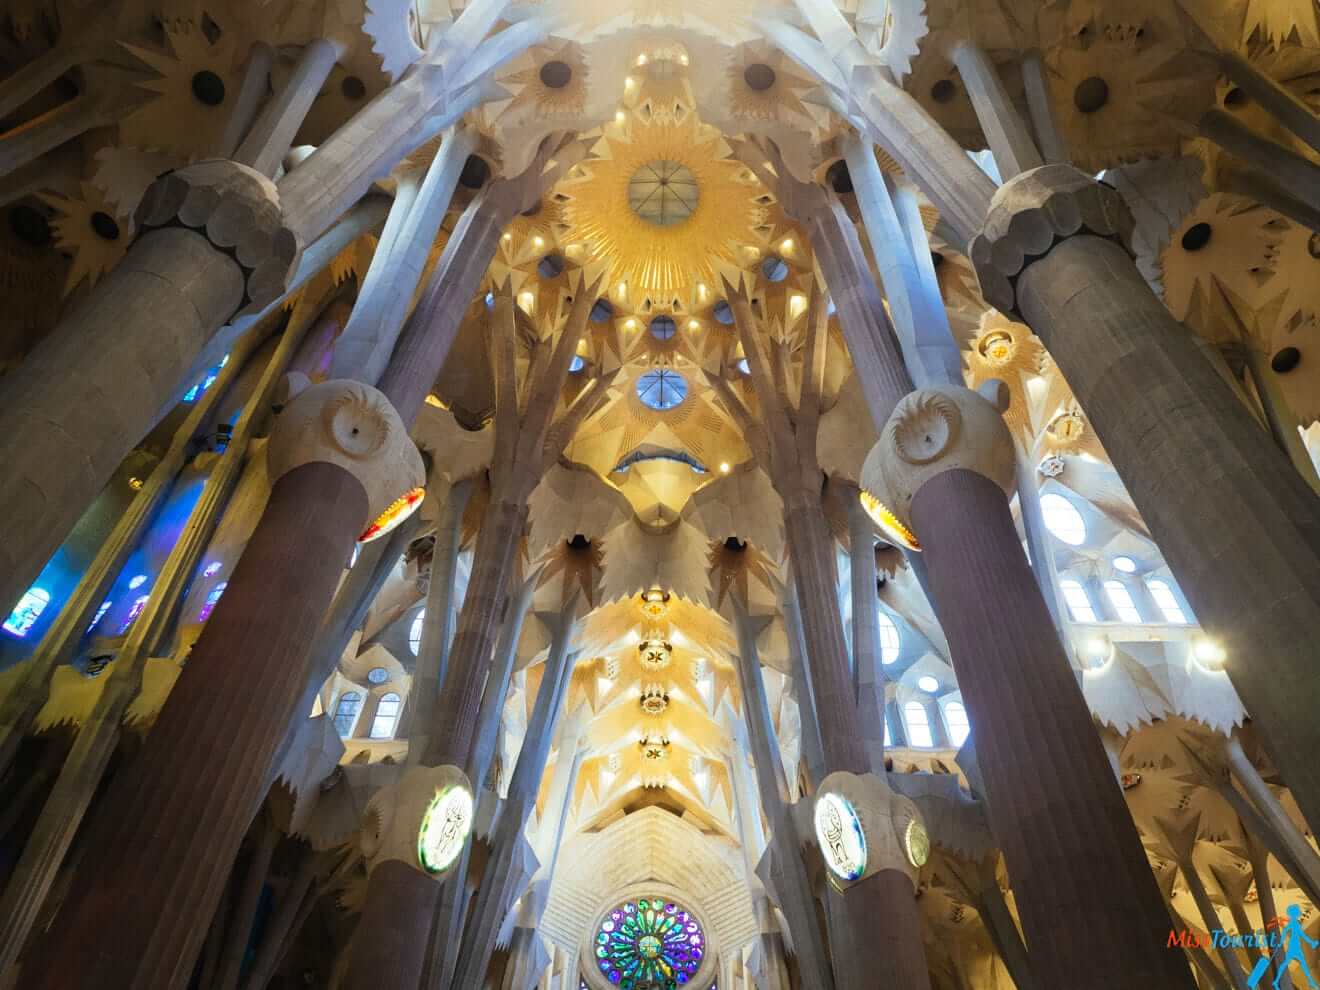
[
  {"x": 170, "y": 827},
  {"x": 1238, "y": 525},
  {"x": 882, "y": 907},
  {"x": 520, "y": 459}
]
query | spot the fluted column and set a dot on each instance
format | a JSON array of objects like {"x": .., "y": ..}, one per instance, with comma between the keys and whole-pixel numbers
[
  {"x": 98, "y": 736},
  {"x": 1237, "y": 524},
  {"x": 171, "y": 825},
  {"x": 944, "y": 467}
]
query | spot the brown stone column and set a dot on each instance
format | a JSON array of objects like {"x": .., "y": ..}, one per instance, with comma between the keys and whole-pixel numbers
[
  {"x": 1238, "y": 525},
  {"x": 170, "y": 828},
  {"x": 1073, "y": 854}
]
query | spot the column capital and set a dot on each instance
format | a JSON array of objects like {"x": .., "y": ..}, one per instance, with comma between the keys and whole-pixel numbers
[
  {"x": 1033, "y": 212},
  {"x": 931, "y": 431},
  {"x": 354, "y": 427},
  {"x": 863, "y": 827},
  {"x": 237, "y": 210},
  {"x": 422, "y": 820}
]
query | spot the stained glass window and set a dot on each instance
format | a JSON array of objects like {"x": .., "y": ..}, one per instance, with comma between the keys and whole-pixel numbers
[
  {"x": 1062, "y": 519},
  {"x": 100, "y": 614},
  {"x": 1167, "y": 601},
  {"x": 415, "y": 631},
  {"x": 955, "y": 717},
  {"x": 138, "y": 605},
  {"x": 918, "y": 724},
  {"x": 27, "y": 611},
  {"x": 662, "y": 389},
  {"x": 1078, "y": 603},
  {"x": 1121, "y": 599},
  {"x": 387, "y": 713},
  {"x": 890, "y": 642},
  {"x": 207, "y": 381},
  {"x": 649, "y": 942},
  {"x": 209, "y": 605},
  {"x": 346, "y": 712}
]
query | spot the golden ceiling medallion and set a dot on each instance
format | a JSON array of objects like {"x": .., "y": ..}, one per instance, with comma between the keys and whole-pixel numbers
[{"x": 664, "y": 205}]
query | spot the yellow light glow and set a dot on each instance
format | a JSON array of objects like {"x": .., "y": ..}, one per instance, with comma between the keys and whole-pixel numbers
[
  {"x": 435, "y": 400},
  {"x": 507, "y": 236},
  {"x": 629, "y": 82},
  {"x": 701, "y": 290},
  {"x": 641, "y": 59},
  {"x": 797, "y": 305},
  {"x": 630, "y": 324},
  {"x": 786, "y": 244},
  {"x": 694, "y": 326},
  {"x": 526, "y": 300},
  {"x": 619, "y": 116},
  {"x": 888, "y": 522},
  {"x": 724, "y": 467},
  {"x": 135, "y": 484},
  {"x": 538, "y": 241}
]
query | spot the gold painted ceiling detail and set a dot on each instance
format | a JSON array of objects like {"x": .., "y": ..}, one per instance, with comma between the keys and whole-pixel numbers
[{"x": 664, "y": 263}]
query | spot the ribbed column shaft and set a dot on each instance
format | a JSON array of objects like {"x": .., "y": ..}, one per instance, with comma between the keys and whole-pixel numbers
[
  {"x": 1237, "y": 524},
  {"x": 1072, "y": 851},
  {"x": 171, "y": 826}
]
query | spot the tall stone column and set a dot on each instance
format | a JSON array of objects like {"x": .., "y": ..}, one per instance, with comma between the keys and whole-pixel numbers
[
  {"x": 171, "y": 825},
  {"x": 521, "y": 457},
  {"x": 1005, "y": 130},
  {"x": 944, "y": 468},
  {"x": 265, "y": 145},
  {"x": 1238, "y": 525},
  {"x": 870, "y": 682},
  {"x": 882, "y": 905},
  {"x": 98, "y": 736},
  {"x": 211, "y": 243}
]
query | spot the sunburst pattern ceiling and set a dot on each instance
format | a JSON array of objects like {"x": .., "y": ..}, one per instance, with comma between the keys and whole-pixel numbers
[{"x": 726, "y": 222}]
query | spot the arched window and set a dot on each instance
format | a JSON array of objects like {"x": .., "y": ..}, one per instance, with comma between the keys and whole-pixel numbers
[
  {"x": 27, "y": 611},
  {"x": 1078, "y": 604},
  {"x": 138, "y": 605},
  {"x": 1121, "y": 599},
  {"x": 415, "y": 632},
  {"x": 346, "y": 712},
  {"x": 918, "y": 724},
  {"x": 890, "y": 641},
  {"x": 387, "y": 713},
  {"x": 1167, "y": 601},
  {"x": 209, "y": 605},
  {"x": 1062, "y": 519},
  {"x": 955, "y": 717}
]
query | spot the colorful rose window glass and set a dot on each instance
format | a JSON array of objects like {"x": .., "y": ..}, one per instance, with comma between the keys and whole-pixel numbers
[{"x": 649, "y": 942}]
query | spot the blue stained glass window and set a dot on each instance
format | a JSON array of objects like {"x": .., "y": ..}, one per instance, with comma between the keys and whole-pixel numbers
[
  {"x": 649, "y": 942},
  {"x": 100, "y": 614},
  {"x": 27, "y": 611},
  {"x": 661, "y": 389},
  {"x": 211, "y": 599},
  {"x": 576, "y": 365},
  {"x": 138, "y": 605},
  {"x": 207, "y": 381}
]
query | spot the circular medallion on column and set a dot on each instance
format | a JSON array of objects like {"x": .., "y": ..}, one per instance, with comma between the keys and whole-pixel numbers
[{"x": 649, "y": 939}]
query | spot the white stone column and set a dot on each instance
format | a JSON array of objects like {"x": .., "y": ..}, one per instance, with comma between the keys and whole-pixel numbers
[
  {"x": 387, "y": 292},
  {"x": 265, "y": 145},
  {"x": 1010, "y": 141},
  {"x": 1041, "y": 108}
]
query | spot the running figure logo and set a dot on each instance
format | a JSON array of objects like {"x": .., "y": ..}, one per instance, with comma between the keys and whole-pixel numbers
[{"x": 1293, "y": 937}]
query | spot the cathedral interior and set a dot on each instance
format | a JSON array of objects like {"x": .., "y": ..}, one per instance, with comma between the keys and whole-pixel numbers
[{"x": 656, "y": 494}]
